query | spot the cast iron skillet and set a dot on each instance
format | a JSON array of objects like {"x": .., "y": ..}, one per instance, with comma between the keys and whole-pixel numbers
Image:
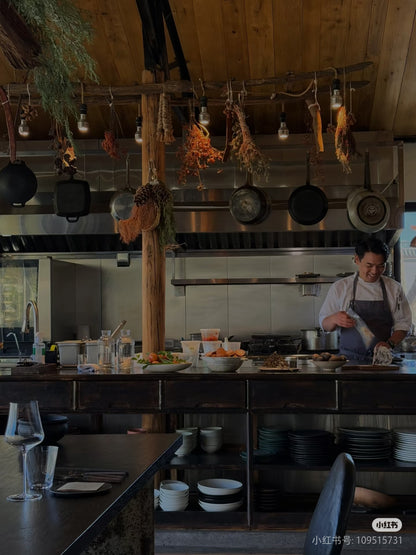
[{"x": 308, "y": 204}]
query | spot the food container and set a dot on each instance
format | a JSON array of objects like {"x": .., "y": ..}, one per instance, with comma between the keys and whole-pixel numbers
[
  {"x": 91, "y": 350},
  {"x": 210, "y": 334},
  {"x": 69, "y": 351}
]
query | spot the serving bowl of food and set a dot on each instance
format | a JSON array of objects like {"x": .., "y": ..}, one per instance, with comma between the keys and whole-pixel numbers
[
  {"x": 328, "y": 361},
  {"x": 222, "y": 360}
]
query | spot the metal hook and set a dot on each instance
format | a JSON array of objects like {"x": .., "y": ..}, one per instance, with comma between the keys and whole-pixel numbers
[{"x": 202, "y": 86}]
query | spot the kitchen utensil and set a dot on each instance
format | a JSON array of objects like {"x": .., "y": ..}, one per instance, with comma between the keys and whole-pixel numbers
[
  {"x": 249, "y": 204},
  {"x": 366, "y": 334},
  {"x": 368, "y": 211},
  {"x": 122, "y": 202},
  {"x": 72, "y": 199},
  {"x": 308, "y": 204},
  {"x": 316, "y": 339}
]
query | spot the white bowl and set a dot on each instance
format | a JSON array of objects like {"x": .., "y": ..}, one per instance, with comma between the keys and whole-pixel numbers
[
  {"x": 329, "y": 365},
  {"x": 220, "y": 507},
  {"x": 175, "y": 487},
  {"x": 219, "y": 486},
  {"x": 223, "y": 364}
]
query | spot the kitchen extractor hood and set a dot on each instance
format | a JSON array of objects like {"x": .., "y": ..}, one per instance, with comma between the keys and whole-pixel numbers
[{"x": 203, "y": 218}]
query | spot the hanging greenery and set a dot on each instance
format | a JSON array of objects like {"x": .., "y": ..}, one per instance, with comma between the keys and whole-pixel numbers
[{"x": 62, "y": 31}]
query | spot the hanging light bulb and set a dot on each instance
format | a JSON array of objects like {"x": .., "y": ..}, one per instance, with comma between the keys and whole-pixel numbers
[
  {"x": 138, "y": 135},
  {"x": 283, "y": 131},
  {"x": 204, "y": 116},
  {"x": 23, "y": 128},
  {"x": 82, "y": 123},
  {"x": 336, "y": 98}
]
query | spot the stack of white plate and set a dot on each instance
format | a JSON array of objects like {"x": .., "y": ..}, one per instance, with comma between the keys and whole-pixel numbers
[
  {"x": 187, "y": 443},
  {"x": 174, "y": 495},
  {"x": 220, "y": 494},
  {"x": 404, "y": 444},
  {"x": 273, "y": 440},
  {"x": 210, "y": 438},
  {"x": 156, "y": 497}
]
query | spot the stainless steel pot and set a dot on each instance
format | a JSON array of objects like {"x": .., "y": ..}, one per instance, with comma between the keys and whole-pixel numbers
[{"x": 316, "y": 339}]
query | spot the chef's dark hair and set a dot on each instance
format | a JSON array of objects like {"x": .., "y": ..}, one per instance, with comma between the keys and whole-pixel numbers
[{"x": 372, "y": 245}]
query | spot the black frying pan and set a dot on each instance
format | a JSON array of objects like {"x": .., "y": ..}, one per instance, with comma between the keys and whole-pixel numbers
[{"x": 308, "y": 204}]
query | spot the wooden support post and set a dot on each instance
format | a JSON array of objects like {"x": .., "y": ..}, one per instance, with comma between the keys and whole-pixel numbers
[{"x": 153, "y": 258}]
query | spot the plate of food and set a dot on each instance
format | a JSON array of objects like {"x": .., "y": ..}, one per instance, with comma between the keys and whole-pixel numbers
[{"x": 162, "y": 361}]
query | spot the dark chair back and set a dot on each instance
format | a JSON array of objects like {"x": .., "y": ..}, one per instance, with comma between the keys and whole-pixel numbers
[{"x": 330, "y": 518}]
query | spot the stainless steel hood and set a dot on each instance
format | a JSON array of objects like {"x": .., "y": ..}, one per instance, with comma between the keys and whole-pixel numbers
[{"x": 203, "y": 219}]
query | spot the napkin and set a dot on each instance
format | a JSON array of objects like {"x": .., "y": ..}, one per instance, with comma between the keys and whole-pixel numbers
[
  {"x": 87, "y": 368},
  {"x": 81, "y": 486}
]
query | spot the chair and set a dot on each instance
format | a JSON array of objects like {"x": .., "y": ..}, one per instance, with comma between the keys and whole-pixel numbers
[{"x": 330, "y": 517}]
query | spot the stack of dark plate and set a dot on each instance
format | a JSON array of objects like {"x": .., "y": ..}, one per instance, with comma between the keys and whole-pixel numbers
[
  {"x": 366, "y": 444},
  {"x": 220, "y": 495},
  {"x": 311, "y": 447},
  {"x": 260, "y": 456},
  {"x": 273, "y": 440},
  {"x": 267, "y": 500}
]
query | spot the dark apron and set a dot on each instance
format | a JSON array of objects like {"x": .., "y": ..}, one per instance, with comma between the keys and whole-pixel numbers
[{"x": 377, "y": 316}]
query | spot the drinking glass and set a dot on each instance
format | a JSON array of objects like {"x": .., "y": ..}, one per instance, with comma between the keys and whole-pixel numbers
[{"x": 24, "y": 430}]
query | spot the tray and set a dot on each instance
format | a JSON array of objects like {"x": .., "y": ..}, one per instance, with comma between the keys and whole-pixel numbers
[{"x": 278, "y": 369}]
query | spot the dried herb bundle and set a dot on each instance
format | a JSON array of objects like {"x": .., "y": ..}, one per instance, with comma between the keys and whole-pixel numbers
[
  {"x": 62, "y": 30},
  {"x": 244, "y": 148},
  {"x": 164, "y": 130},
  {"x": 196, "y": 153}
]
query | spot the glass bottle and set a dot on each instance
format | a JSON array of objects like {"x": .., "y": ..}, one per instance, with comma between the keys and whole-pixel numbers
[
  {"x": 105, "y": 351},
  {"x": 125, "y": 351}
]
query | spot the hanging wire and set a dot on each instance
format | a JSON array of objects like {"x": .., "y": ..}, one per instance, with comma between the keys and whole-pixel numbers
[
  {"x": 330, "y": 111},
  {"x": 82, "y": 92},
  {"x": 202, "y": 86},
  {"x": 28, "y": 93},
  {"x": 344, "y": 89},
  {"x": 351, "y": 91}
]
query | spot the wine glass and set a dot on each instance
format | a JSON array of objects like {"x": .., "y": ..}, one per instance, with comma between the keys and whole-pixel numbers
[{"x": 24, "y": 430}]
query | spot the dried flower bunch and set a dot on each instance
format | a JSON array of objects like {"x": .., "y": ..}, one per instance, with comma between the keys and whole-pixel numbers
[
  {"x": 244, "y": 148},
  {"x": 196, "y": 153},
  {"x": 153, "y": 210},
  {"x": 345, "y": 145}
]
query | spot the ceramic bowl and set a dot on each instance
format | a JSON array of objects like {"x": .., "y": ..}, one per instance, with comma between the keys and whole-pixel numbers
[
  {"x": 219, "y": 486},
  {"x": 329, "y": 365},
  {"x": 223, "y": 364}
]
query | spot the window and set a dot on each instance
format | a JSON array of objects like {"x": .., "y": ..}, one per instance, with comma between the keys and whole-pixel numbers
[{"x": 408, "y": 256}]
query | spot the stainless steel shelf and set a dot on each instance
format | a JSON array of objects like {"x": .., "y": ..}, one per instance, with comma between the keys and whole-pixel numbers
[{"x": 253, "y": 281}]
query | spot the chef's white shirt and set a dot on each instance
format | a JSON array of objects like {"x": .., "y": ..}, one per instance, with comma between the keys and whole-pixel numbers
[{"x": 340, "y": 295}]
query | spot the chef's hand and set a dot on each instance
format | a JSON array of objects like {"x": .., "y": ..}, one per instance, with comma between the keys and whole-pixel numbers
[
  {"x": 342, "y": 319},
  {"x": 338, "y": 319},
  {"x": 382, "y": 344}
]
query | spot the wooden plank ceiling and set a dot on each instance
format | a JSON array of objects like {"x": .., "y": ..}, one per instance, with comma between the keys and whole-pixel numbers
[{"x": 247, "y": 40}]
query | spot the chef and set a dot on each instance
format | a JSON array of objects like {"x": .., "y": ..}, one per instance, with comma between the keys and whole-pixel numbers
[{"x": 379, "y": 301}]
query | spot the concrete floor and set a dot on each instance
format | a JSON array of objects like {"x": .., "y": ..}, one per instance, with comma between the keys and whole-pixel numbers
[{"x": 215, "y": 542}]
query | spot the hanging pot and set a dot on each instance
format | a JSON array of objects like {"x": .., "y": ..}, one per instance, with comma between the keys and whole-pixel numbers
[
  {"x": 122, "y": 202},
  {"x": 72, "y": 199},
  {"x": 368, "y": 211},
  {"x": 308, "y": 204},
  {"x": 18, "y": 183},
  {"x": 249, "y": 204}
]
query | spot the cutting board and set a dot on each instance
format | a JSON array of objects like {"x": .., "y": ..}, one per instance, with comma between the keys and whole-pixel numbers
[{"x": 370, "y": 367}]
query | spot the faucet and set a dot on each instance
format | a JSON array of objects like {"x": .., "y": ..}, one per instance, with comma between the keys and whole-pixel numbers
[
  {"x": 19, "y": 352},
  {"x": 25, "y": 327}
]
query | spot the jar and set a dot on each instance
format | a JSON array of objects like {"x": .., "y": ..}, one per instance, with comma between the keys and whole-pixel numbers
[
  {"x": 105, "y": 351},
  {"x": 125, "y": 352}
]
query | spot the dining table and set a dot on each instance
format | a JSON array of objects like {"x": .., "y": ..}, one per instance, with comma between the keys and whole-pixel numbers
[{"x": 118, "y": 518}]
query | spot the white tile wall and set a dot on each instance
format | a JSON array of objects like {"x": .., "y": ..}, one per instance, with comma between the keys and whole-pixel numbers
[{"x": 236, "y": 309}]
